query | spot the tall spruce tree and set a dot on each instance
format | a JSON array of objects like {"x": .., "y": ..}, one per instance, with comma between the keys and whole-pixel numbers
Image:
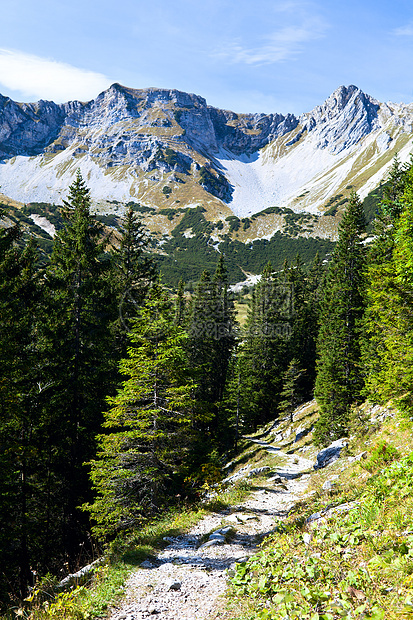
[
  {"x": 22, "y": 511},
  {"x": 293, "y": 392},
  {"x": 180, "y": 304},
  {"x": 264, "y": 351},
  {"x": 389, "y": 359},
  {"x": 382, "y": 288},
  {"x": 304, "y": 318},
  {"x": 81, "y": 355},
  {"x": 339, "y": 377},
  {"x": 134, "y": 272},
  {"x": 313, "y": 293},
  {"x": 211, "y": 328},
  {"x": 142, "y": 457}
]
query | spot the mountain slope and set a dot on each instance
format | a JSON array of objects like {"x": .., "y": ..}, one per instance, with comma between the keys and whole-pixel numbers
[
  {"x": 256, "y": 186},
  {"x": 350, "y": 140},
  {"x": 165, "y": 147}
]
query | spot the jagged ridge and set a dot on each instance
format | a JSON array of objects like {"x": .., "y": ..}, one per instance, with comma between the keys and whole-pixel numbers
[{"x": 164, "y": 146}]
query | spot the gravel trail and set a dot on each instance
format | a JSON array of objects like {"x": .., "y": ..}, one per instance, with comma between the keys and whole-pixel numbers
[{"x": 188, "y": 575}]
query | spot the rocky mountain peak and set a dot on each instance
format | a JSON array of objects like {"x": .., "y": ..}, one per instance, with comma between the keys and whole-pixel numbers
[
  {"x": 146, "y": 98},
  {"x": 343, "y": 119},
  {"x": 167, "y": 147}
]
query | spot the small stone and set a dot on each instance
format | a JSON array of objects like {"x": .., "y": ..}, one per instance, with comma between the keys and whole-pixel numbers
[
  {"x": 226, "y": 530},
  {"x": 173, "y": 585},
  {"x": 330, "y": 484},
  {"x": 153, "y": 610},
  {"x": 146, "y": 564},
  {"x": 233, "y": 518},
  {"x": 307, "y": 538},
  {"x": 247, "y": 517}
]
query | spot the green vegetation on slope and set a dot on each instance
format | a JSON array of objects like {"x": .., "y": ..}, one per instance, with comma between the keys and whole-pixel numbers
[
  {"x": 346, "y": 552},
  {"x": 186, "y": 257}
]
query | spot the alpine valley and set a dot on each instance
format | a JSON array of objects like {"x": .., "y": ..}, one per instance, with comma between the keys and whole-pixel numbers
[{"x": 204, "y": 180}]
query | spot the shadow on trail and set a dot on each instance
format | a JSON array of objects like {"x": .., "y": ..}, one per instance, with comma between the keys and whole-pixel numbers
[
  {"x": 267, "y": 490},
  {"x": 263, "y": 444},
  {"x": 198, "y": 558}
]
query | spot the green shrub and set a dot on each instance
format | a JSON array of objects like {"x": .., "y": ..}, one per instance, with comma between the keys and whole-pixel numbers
[{"x": 381, "y": 455}]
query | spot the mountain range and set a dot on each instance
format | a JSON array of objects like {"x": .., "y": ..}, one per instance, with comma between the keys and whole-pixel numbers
[{"x": 247, "y": 177}]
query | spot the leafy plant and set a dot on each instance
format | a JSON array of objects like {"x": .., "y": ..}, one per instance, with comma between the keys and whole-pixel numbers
[{"x": 382, "y": 454}]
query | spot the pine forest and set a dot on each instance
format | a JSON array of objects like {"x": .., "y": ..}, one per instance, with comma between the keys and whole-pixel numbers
[{"x": 122, "y": 397}]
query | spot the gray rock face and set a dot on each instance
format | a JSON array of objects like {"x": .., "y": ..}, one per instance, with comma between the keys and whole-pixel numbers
[
  {"x": 168, "y": 132},
  {"x": 343, "y": 120},
  {"x": 330, "y": 454},
  {"x": 247, "y": 133},
  {"x": 150, "y": 129},
  {"x": 28, "y": 128}
]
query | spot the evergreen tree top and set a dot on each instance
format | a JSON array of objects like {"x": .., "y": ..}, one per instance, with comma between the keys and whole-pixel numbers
[
  {"x": 221, "y": 272},
  {"x": 353, "y": 222}
]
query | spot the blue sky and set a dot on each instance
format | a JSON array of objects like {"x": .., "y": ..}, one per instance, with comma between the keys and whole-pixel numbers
[{"x": 243, "y": 55}]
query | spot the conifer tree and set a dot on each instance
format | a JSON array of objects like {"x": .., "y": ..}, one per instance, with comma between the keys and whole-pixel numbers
[
  {"x": 304, "y": 318},
  {"x": 134, "y": 271},
  {"x": 292, "y": 393},
  {"x": 224, "y": 317},
  {"x": 180, "y": 304},
  {"x": 389, "y": 359},
  {"x": 382, "y": 289},
  {"x": 81, "y": 353},
  {"x": 339, "y": 378},
  {"x": 264, "y": 352},
  {"x": 308, "y": 345},
  {"x": 211, "y": 329},
  {"x": 21, "y": 457},
  {"x": 149, "y": 425}
]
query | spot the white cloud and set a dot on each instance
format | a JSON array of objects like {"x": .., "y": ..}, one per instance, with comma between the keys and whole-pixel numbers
[
  {"x": 280, "y": 45},
  {"x": 404, "y": 31},
  {"x": 42, "y": 78}
]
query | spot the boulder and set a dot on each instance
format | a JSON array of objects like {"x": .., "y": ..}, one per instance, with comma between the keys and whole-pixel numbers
[{"x": 330, "y": 454}]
